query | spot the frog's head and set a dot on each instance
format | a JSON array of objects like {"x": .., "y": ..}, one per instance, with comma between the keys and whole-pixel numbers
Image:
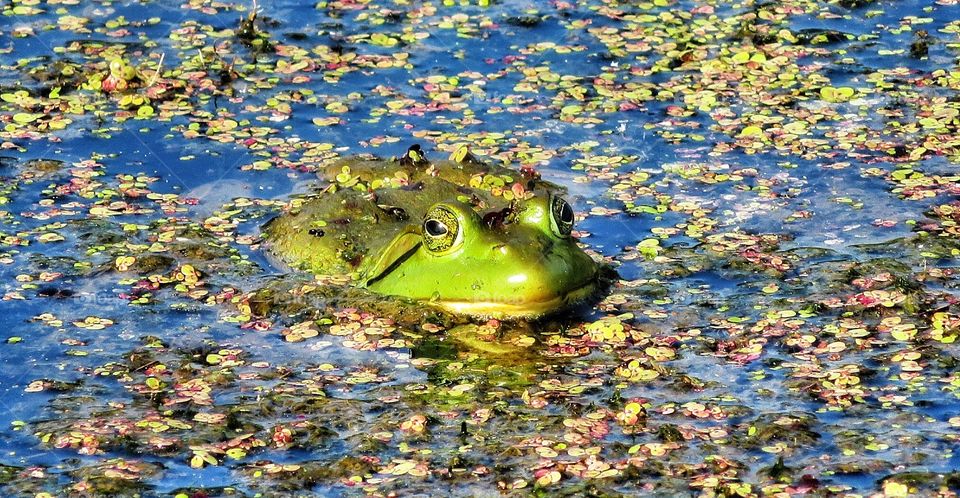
[{"x": 525, "y": 265}]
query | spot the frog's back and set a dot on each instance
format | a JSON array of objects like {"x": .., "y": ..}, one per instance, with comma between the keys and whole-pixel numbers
[
  {"x": 462, "y": 169},
  {"x": 368, "y": 201},
  {"x": 327, "y": 234},
  {"x": 332, "y": 233}
]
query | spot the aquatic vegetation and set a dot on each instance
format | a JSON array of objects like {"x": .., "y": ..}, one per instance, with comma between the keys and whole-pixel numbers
[{"x": 775, "y": 184}]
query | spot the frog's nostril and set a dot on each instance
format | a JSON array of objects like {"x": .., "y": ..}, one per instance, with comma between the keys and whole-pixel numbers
[{"x": 501, "y": 248}]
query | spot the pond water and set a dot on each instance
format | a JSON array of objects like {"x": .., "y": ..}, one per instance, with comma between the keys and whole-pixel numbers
[{"x": 774, "y": 183}]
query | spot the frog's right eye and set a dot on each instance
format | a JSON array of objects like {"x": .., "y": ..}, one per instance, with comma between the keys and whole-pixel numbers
[
  {"x": 561, "y": 216},
  {"x": 441, "y": 230}
]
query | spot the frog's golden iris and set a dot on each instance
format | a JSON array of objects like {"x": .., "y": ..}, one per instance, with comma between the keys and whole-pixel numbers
[{"x": 410, "y": 228}]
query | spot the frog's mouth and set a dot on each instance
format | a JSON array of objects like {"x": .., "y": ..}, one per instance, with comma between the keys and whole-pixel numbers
[{"x": 518, "y": 309}]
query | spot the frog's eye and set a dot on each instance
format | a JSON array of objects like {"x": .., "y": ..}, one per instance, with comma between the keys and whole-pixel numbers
[
  {"x": 441, "y": 229},
  {"x": 561, "y": 217},
  {"x": 435, "y": 228}
]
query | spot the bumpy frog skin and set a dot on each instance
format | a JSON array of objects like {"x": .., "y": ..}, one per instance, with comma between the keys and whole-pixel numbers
[{"x": 422, "y": 241}]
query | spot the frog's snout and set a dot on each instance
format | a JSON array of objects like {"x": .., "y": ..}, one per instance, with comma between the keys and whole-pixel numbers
[
  {"x": 541, "y": 269},
  {"x": 541, "y": 247}
]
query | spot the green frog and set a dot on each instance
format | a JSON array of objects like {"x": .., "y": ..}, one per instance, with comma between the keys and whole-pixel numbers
[{"x": 469, "y": 237}]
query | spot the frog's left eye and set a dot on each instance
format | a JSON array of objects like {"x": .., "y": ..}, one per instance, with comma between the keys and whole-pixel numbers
[
  {"x": 441, "y": 229},
  {"x": 561, "y": 217}
]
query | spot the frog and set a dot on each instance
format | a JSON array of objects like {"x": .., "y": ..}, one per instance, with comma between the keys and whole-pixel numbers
[{"x": 463, "y": 235}]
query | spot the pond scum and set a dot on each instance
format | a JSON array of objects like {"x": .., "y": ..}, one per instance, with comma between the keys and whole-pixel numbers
[{"x": 775, "y": 184}]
